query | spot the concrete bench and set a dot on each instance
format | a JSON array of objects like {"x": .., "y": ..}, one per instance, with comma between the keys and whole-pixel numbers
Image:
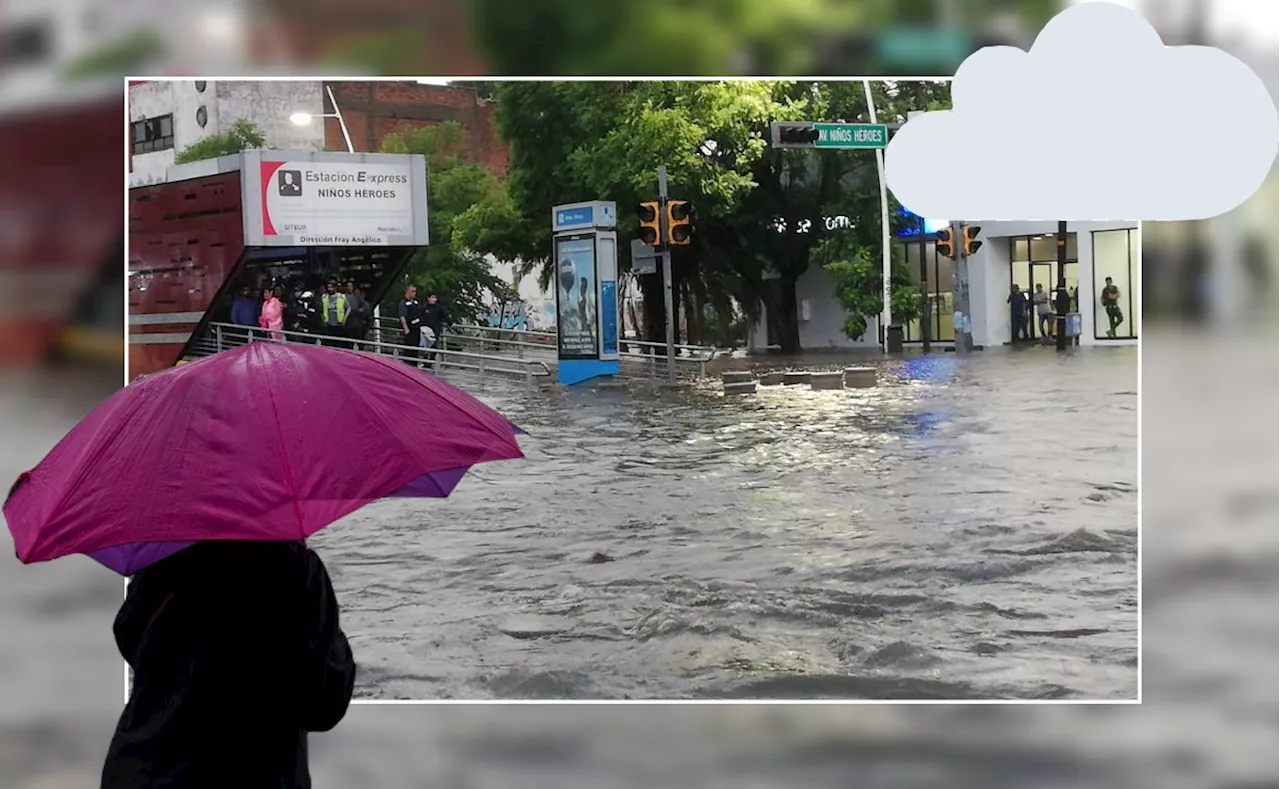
[
  {"x": 860, "y": 377},
  {"x": 795, "y": 379},
  {"x": 738, "y": 378},
  {"x": 744, "y": 388},
  {"x": 772, "y": 379},
  {"x": 827, "y": 380}
]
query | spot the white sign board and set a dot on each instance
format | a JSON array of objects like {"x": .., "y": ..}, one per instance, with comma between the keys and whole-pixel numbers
[
  {"x": 596, "y": 214},
  {"x": 310, "y": 198}
]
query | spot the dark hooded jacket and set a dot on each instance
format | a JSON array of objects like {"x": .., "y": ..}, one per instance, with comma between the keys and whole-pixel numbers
[{"x": 236, "y": 654}]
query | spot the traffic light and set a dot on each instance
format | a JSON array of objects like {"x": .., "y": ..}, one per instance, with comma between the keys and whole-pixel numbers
[
  {"x": 789, "y": 134},
  {"x": 971, "y": 242},
  {"x": 679, "y": 222},
  {"x": 650, "y": 230},
  {"x": 947, "y": 243}
]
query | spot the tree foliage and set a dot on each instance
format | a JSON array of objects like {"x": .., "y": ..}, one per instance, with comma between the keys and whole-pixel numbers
[
  {"x": 242, "y": 135},
  {"x": 761, "y": 214},
  {"x": 449, "y": 267},
  {"x": 716, "y": 37}
]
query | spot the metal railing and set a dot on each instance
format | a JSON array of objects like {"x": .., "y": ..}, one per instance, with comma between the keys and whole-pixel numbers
[
  {"x": 638, "y": 358},
  {"x": 223, "y": 336}
]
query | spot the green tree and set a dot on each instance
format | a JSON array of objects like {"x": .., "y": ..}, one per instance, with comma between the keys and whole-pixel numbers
[
  {"x": 132, "y": 54},
  {"x": 760, "y": 213},
  {"x": 458, "y": 273},
  {"x": 583, "y": 141},
  {"x": 715, "y": 37},
  {"x": 857, "y": 284},
  {"x": 242, "y": 135}
]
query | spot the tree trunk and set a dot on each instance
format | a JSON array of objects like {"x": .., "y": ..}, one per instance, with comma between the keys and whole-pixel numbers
[
  {"x": 655, "y": 318},
  {"x": 724, "y": 326},
  {"x": 784, "y": 315},
  {"x": 692, "y": 331}
]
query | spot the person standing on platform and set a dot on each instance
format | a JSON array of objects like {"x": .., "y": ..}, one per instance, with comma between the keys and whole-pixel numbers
[
  {"x": 272, "y": 315},
  {"x": 435, "y": 318},
  {"x": 410, "y": 313},
  {"x": 245, "y": 309},
  {"x": 358, "y": 321},
  {"x": 334, "y": 312}
]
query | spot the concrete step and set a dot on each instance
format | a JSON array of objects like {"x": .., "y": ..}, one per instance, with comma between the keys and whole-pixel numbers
[
  {"x": 860, "y": 377},
  {"x": 821, "y": 381}
]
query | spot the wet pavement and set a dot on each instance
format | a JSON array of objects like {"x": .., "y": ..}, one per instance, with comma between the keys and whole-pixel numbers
[{"x": 967, "y": 529}]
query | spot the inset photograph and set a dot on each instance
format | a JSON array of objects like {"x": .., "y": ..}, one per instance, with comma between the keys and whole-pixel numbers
[{"x": 604, "y": 390}]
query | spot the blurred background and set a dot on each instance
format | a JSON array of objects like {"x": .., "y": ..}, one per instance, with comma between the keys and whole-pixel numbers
[{"x": 1209, "y": 394}]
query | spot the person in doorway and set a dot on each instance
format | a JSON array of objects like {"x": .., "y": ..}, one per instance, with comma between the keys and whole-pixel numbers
[
  {"x": 245, "y": 309},
  {"x": 358, "y": 320},
  {"x": 1044, "y": 311},
  {"x": 434, "y": 320},
  {"x": 1110, "y": 298},
  {"x": 230, "y": 672},
  {"x": 409, "y": 312},
  {"x": 1018, "y": 313},
  {"x": 272, "y": 316},
  {"x": 334, "y": 312}
]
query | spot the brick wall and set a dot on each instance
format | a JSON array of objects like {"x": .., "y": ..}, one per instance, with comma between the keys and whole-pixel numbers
[
  {"x": 373, "y": 110},
  {"x": 311, "y": 30}
]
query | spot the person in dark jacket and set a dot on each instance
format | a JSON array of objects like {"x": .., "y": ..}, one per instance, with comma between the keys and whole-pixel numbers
[
  {"x": 435, "y": 318},
  {"x": 245, "y": 309},
  {"x": 236, "y": 655}
]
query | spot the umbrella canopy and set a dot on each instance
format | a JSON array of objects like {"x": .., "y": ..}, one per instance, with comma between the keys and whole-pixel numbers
[{"x": 270, "y": 441}]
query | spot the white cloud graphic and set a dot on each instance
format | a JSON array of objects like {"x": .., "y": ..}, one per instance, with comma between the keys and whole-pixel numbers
[{"x": 1099, "y": 121}]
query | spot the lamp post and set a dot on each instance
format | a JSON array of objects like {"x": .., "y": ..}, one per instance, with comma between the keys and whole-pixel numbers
[{"x": 305, "y": 118}]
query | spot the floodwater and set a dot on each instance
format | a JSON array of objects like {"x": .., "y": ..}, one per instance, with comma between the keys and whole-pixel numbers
[{"x": 968, "y": 529}]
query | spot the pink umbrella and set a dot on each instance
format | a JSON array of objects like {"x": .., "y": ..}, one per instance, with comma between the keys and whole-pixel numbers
[{"x": 270, "y": 441}]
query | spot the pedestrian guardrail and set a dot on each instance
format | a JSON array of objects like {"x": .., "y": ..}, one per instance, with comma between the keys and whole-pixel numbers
[
  {"x": 223, "y": 336},
  {"x": 639, "y": 359}
]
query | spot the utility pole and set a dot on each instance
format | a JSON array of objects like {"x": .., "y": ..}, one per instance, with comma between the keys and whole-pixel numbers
[
  {"x": 667, "y": 285},
  {"x": 1063, "y": 297},
  {"x": 960, "y": 291},
  {"x": 926, "y": 313}
]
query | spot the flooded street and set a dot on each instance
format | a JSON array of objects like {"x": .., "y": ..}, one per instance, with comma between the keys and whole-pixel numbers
[{"x": 967, "y": 529}]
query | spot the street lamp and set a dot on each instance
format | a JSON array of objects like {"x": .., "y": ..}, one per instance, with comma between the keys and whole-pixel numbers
[{"x": 305, "y": 118}]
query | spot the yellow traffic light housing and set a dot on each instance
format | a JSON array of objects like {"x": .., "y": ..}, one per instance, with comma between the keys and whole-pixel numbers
[
  {"x": 650, "y": 229},
  {"x": 947, "y": 243},
  {"x": 971, "y": 242},
  {"x": 679, "y": 222}
]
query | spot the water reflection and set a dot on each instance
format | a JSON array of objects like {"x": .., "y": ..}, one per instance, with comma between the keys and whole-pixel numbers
[{"x": 965, "y": 529}]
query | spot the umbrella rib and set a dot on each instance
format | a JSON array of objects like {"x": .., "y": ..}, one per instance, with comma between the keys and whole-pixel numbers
[
  {"x": 414, "y": 376},
  {"x": 288, "y": 467}
]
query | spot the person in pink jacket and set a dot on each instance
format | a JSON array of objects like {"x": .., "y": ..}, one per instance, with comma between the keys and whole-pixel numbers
[{"x": 272, "y": 317}]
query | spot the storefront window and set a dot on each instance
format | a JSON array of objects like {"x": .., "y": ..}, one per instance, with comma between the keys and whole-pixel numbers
[
  {"x": 1115, "y": 283},
  {"x": 938, "y": 286}
]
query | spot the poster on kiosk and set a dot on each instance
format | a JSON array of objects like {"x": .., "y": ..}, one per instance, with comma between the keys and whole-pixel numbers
[{"x": 585, "y": 249}]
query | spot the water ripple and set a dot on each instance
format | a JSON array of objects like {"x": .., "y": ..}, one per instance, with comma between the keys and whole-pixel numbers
[{"x": 956, "y": 532}]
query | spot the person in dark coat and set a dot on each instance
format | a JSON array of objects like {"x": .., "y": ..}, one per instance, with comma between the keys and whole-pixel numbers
[{"x": 236, "y": 655}]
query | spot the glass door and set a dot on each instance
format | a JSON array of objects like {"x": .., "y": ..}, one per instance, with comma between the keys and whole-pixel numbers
[{"x": 1042, "y": 276}]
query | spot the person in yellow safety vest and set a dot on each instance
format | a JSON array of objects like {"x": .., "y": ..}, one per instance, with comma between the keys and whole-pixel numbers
[{"x": 334, "y": 311}]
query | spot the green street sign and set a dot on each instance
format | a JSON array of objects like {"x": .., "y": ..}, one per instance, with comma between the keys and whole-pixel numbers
[{"x": 851, "y": 135}]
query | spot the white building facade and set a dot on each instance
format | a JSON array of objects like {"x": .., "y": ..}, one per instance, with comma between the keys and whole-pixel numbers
[
  {"x": 1025, "y": 254},
  {"x": 1021, "y": 253},
  {"x": 166, "y": 116}
]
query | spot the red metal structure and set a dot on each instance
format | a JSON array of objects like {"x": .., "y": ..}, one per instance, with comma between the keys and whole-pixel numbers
[
  {"x": 188, "y": 255},
  {"x": 60, "y": 203},
  {"x": 185, "y": 240}
]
